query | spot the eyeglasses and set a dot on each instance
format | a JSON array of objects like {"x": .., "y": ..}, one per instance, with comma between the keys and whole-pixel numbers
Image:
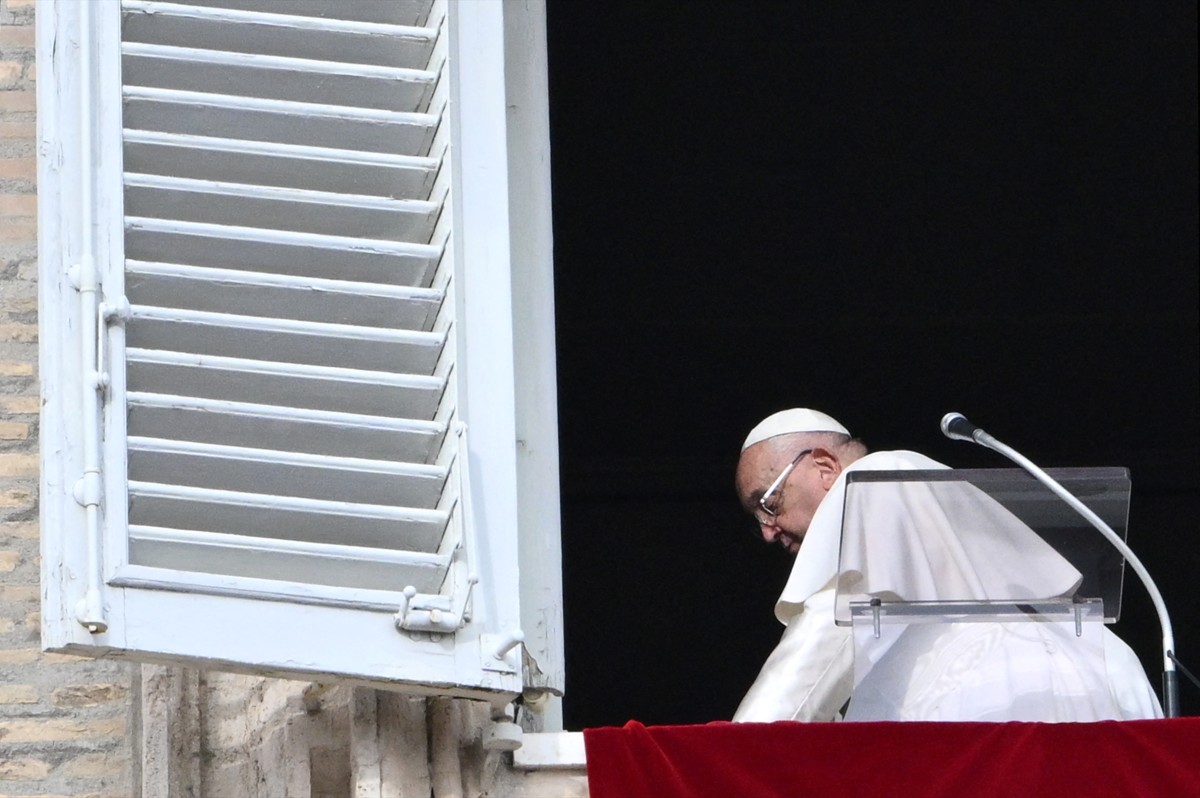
[{"x": 768, "y": 505}]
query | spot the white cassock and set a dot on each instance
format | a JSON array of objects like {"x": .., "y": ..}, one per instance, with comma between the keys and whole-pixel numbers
[{"x": 949, "y": 542}]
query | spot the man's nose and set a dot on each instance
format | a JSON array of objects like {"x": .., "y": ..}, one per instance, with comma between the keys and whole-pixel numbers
[{"x": 769, "y": 530}]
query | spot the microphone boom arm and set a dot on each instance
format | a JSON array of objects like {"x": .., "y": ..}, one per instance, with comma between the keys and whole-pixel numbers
[{"x": 1170, "y": 684}]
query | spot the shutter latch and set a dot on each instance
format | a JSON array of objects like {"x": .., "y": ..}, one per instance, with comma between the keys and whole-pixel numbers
[{"x": 423, "y": 612}]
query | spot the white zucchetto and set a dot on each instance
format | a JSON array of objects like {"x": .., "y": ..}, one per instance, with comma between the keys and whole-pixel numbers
[{"x": 797, "y": 419}]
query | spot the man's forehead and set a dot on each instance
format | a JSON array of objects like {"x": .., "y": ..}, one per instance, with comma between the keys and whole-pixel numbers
[{"x": 758, "y": 465}]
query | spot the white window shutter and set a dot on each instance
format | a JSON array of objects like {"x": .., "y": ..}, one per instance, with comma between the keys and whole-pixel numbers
[{"x": 278, "y": 352}]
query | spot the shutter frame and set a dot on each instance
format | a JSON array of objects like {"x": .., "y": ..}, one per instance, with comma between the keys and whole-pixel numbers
[{"x": 163, "y": 621}]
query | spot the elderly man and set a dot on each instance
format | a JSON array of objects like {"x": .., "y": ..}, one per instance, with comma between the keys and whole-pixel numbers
[{"x": 791, "y": 478}]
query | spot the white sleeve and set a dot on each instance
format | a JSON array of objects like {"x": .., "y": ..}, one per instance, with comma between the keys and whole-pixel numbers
[{"x": 809, "y": 675}]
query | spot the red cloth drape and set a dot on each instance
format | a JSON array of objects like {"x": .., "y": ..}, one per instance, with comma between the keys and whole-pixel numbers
[{"x": 849, "y": 760}]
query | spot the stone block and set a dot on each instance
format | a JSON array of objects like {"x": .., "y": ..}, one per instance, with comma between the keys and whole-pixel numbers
[
  {"x": 19, "y": 656},
  {"x": 93, "y": 767},
  {"x": 18, "y": 465},
  {"x": 48, "y": 730},
  {"x": 88, "y": 695},
  {"x": 23, "y": 769},
  {"x": 10, "y": 74},
  {"x": 18, "y": 169},
  {"x": 20, "y": 405},
  {"x": 16, "y": 37},
  {"x": 19, "y": 530},
  {"x": 18, "y": 694},
  {"x": 13, "y": 431}
]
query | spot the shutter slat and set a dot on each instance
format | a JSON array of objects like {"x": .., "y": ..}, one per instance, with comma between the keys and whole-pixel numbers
[
  {"x": 282, "y": 35},
  {"x": 313, "y": 212},
  {"x": 282, "y": 345},
  {"x": 373, "y": 393},
  {"x": 302, "y": 298},
  {"x": 284, "y": 340},
  {"x": 325, "y": 241},
  {"x": 286, "y": 517},
  {"x": 221, "y": 467},
  {"x": 282, "y": 428},
  {"x": 281, "y": 252},
  {"x": 277, "y": 164},
  {"x": 290, "y": 561},
  {"x": 393, "y": 12},
  {"x": 309, "y": 124},
  {"x": 276, "y": 77}
]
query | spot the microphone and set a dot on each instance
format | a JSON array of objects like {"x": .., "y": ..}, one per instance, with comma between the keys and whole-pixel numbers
[{"x": 956, "y": 427}]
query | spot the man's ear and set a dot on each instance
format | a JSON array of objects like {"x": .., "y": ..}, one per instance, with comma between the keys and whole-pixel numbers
[{"x": 829, "y": 467}]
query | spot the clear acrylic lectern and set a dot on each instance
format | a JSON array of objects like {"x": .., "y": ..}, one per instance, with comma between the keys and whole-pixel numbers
[{"x": 953, "y": 562}]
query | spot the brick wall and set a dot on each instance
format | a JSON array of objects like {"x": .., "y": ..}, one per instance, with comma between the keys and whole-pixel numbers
[{"x": 64, "y": 723}]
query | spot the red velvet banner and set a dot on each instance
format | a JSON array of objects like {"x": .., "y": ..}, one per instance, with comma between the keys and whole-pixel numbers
[{"x": 931, "y": 760}]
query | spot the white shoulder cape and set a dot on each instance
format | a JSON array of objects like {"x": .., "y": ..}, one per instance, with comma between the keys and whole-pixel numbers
[{"x": 817, "y": 561}]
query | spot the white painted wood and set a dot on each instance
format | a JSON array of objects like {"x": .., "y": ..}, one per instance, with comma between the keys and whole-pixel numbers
[
  {"x": 328, "y": 564},
  {"x": 299, "y": 548},
  {"x": 283, "y": 428},
  {"x": 290, "y": 122},
  {"x": 285, "y": 638},
  {"x": 284, "y": 340},
  {"x": 337, "y": 15},
  {"x": 320, "y": 291},
  {"x": 345, "y": 468},
  {"x": 277, "y": 33},
  {"x": 486, "y": 377},
  {"x": 86, "y": 276},
  {"x": 341, "y": 390},
  {"x": 248, "y": 235},
  {"x": 527, "y": 78},
  {"x": 59, "y": 366},
  {"x": 200, "y": 584},
  {"x": 254, "y": 58},
  {"x": 196, "y": 502},
  {"x": 284, "y": 473},
  {"x": 284, "y": 325},
  {"x": 282, "y": 252},
  {"x": 284, "y": 209},
  {"x": 304, "y": 298},
  {"x": 328, "y": 199},
  {"x": 67, "y": 124},
  {"x": 277, "y": 164},
  {"x": 286, "y": 517},
  {"x": 276, "y": 77}
]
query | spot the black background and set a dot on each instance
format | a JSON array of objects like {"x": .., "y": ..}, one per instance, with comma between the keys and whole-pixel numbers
[{"x": 886, "y": 211}]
